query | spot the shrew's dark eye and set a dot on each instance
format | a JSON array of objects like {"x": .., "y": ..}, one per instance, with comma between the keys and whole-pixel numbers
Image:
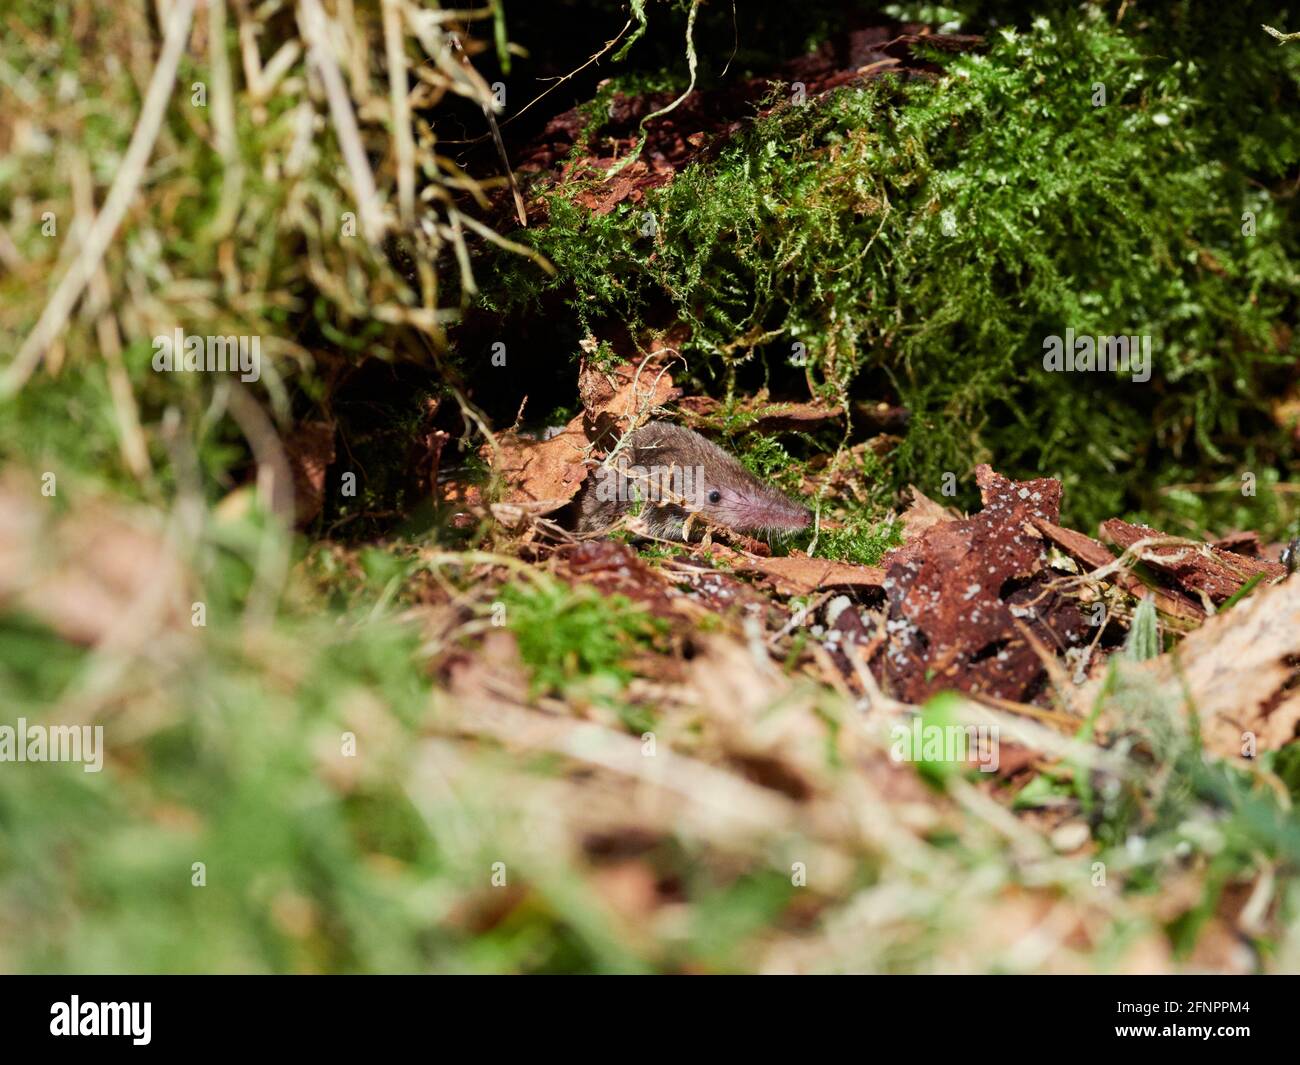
[{"x": 715, "y": 496}]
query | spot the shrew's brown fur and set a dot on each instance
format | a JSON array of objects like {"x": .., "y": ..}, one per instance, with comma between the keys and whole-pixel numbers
[{"x": 664, "y": 472}]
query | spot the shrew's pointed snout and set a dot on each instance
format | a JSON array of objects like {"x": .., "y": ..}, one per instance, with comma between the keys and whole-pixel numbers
[
  {"x": 784, "y": 515},
  {"x": 800, "y": 517}
]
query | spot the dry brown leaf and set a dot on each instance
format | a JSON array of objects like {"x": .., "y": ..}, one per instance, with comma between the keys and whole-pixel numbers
[
  {"x": 618, "y": 396},
  {"x": 1240, "y": 670},
  {"x": 544, "y": 475},
  {"x": 797, "y": 574},
  {"x": 546, "y": 472},
  {"x": 921, "y": 513}
]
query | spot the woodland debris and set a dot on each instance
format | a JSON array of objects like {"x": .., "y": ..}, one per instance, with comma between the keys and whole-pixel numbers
[
  {"x": 1176, "y": 607},
  {"x": 1239, "y": 673},
  {"x": 616, "y": 400},
  {"x": 549, "y": 472},
  {"x": 921, "y": 513},
  {"x": 757, "y": 414},
  {"x": 797, "y": 574},
  {"x": 546, "y": 472},
  {"x": 1194, "y": 567},
  {"x": 1240, "y": 542},
  {"x": 959, "y": 593},
  {"x": 703, "y": 122},
  {"x": 615, "y": 569}
]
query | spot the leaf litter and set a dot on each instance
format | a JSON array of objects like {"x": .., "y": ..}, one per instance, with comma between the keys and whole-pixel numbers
[{"x": 771, "y": 697}]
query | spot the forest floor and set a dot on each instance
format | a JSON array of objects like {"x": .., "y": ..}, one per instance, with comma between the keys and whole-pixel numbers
[{"x": 427, "y": 726}]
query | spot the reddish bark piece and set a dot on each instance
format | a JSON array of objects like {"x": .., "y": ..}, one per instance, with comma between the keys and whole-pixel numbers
[
  {"x": 628, "y": 185},
  {"x": 616, "y": 569},
  {"x": 797, "y": 574},
  {"x": 1240, "y": 542},
  {"x": 1094, "y": 554},
  {"x": 1040, "y": 496},
  {"x": 956, "y": 593},
  {"x": 1195, "y": 568},
  {"x": 718, "y": 591}
]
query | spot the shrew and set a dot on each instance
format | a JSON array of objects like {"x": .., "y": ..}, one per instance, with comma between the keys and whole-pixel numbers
[{"x": 663, "y": 473}]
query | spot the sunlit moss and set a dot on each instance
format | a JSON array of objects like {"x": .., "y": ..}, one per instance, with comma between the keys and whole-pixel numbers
[{"x": 923, "y": 239}]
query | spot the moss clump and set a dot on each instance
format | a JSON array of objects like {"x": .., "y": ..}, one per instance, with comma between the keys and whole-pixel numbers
[
  {"x": 567, "y": 634},
  {"x": 923, "y": 240},
  {"x": 860, "y": 541}
]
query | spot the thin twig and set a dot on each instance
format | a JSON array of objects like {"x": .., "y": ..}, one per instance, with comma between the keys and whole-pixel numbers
[
  {"x": 491, "y": 117},
  {"x": 542, "y": 95}
]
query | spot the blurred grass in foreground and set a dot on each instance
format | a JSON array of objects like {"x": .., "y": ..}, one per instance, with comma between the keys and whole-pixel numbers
[
  {"x": 228, "y": 745},
  {"x": 500, "y": 812}
]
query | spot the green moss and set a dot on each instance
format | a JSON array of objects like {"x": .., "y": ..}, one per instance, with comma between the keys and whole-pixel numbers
[
  {"x": 570, "y": 634},
  {"x": 924, "y": 239},
  {"x": 767, "y": 458},
  {"x": 860, "y": 541}
]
